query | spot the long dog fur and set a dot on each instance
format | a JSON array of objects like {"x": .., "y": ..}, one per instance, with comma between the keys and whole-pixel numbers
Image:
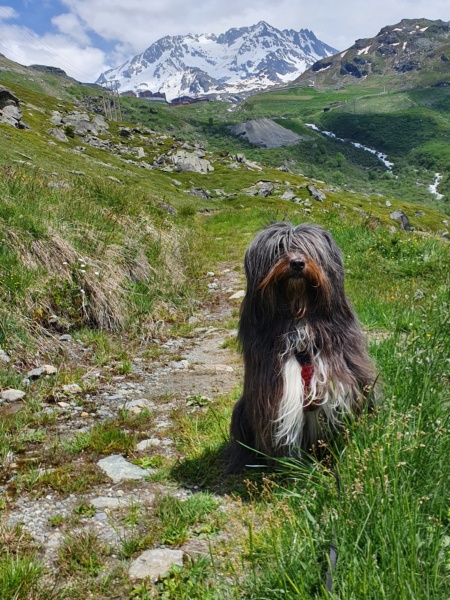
[{"x": 305, "y": 358}]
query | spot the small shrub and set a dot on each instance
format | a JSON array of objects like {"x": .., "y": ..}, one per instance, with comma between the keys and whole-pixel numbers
[{"x": 69, "y": 130}]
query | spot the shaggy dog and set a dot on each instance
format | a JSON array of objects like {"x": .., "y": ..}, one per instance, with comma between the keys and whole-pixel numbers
[{"x": 305, "y": 358}]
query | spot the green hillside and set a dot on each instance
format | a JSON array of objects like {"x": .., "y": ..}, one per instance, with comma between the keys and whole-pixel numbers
[{"x": 107, "y": 239}]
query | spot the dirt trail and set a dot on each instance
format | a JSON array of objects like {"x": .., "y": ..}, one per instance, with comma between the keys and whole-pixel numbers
[{"x": 195, "y": 366}]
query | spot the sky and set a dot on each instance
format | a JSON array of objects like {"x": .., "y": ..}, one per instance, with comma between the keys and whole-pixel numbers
[{"x": 87, "y": 37}]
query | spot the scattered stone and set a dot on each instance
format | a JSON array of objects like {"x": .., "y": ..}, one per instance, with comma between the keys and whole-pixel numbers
[
  {"x": 10, "y": 111},
  {"x": 71, "y": 388},
  {"x": 4, "y": 358},
  {"x": 119, "y": 469},
  {"x": 54, "y": 540},
  {"x": 179, "y": 364},
  {"x": 388, "y": 204},
  {"x": 193, "y": 320},
  {"x": 200, "y": 193},
  {"x": 176, "y": 182},
  {"x": 237, "y": 295},
  {"x": 315, "y": 193},
  {"x": 100, "y": 122},
  {"x": 418, "y": 295},
  {"x": 419, "y": 213},
  {"x": 169, "y": 209},
  {"x": 146, "y": 444},
  {"x": 65, "y": 338},
  {"x": 219, "y": 368},
  {"x": 58, "y": 134},
  {"x": 188, "y": 161},
  {"x": 64, "y": 404},
  {"x": 40, "y": 371},
  {"x": 56, "y": 118},
  {"x": 137, "y": 406},
  {"x": 152, "y": 564},
  {"x": 80, "y": 122},
  {"x": 103, "y": 502},
  {"x": 399, "y": 215},
  {"x": 288, "y": 195},
  {"x": 12, "y": 395},
  {"x": 265, "y": 188}
]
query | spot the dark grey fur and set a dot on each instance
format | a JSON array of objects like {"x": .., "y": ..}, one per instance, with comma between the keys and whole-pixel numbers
[{"x": 282, "y": 310}]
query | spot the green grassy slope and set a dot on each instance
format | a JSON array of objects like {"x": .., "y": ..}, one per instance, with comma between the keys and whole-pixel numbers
[{"x": 86, "y": 247}]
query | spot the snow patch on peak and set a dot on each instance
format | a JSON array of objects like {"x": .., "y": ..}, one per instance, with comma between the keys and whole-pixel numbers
[{"x": 237, "y": 61}]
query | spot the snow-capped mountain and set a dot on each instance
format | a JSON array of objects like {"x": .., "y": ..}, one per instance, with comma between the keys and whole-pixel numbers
[{"x": 238, "y": 61}]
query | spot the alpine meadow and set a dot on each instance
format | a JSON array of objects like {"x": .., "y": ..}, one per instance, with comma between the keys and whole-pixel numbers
[{"x": 124, "y": 222}]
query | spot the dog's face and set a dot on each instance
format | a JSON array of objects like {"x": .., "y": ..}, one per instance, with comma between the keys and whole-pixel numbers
[{"x": 303, "y": 264}]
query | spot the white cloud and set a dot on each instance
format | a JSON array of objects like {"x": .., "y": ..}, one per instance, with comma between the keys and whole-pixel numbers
[
  {"x": 141, "y": 22},
  {"x": 130, "y": 27},
  {"x": 25, "y": 47},
  {"x": 7, "y": 13},
  {"x": 70, "y": 25}
]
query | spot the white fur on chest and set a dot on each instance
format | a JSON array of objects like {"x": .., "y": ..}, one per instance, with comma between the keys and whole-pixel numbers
[{"x": 297, "y": 425}]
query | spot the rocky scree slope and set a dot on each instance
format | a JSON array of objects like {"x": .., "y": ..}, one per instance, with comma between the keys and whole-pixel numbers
[{"x": 410, "y": 47}]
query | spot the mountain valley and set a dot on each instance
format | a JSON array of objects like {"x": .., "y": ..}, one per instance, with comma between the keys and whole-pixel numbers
[{"x": 123, "y": 231}]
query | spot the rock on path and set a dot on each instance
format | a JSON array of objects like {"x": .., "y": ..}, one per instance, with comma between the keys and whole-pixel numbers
[
  {"x": 119, "y": 469},
  {"x": 152, "y": 564}
]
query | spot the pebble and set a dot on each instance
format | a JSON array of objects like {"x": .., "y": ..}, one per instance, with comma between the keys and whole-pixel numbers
[
  {"x": 65, "y": 338},
  {"x": 12, "y": 395},
  {"x": 179, "y": 364},
  {"x": 146, "y": 444},
  {"x": 4, "y": 358},
  {"x": 71, "y": 388},
  {"x": 119, "y": 469},
  {"x": 116, "y": 397},
  {"x": 153, "y": 564},
  {"x": 103, "y": 502},
  {"x": 44, "y": 370},
  {"x": 137, "y": 406},
  {"x": 237, "y": 295}
]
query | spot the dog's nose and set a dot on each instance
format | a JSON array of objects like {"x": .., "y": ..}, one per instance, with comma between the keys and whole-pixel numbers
[{"x": 297, "y": 264}]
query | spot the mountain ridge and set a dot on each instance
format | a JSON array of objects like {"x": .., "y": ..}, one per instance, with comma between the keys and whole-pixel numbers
[
  {"x": 238, "y": 61},
  {"x": 405, "y": 50}
]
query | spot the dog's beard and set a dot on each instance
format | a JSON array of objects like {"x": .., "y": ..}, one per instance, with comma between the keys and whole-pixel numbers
[{"x": 296, "y": 290}]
